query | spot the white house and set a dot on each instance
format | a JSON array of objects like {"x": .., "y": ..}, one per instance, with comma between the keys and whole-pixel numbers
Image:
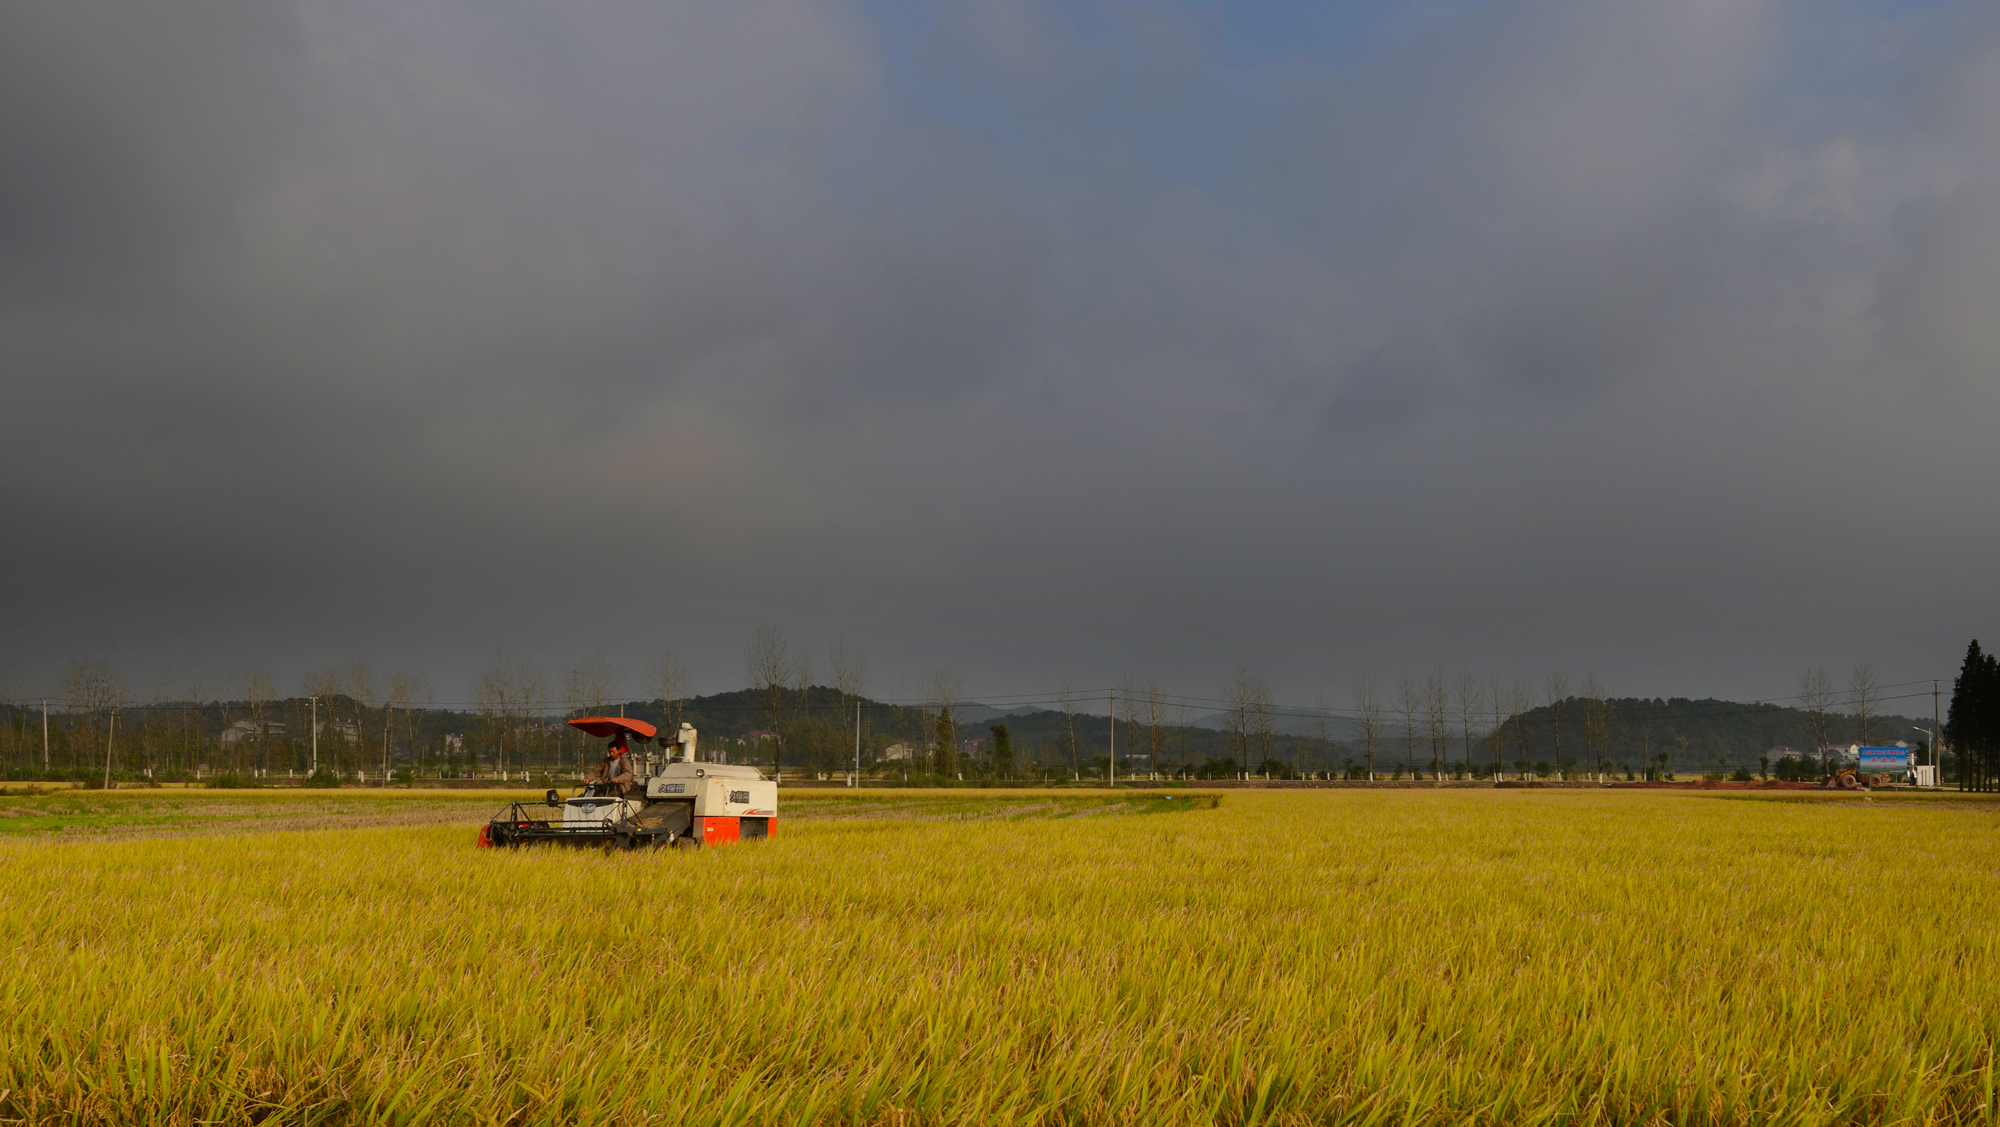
[{"x": 247, "y": 730}]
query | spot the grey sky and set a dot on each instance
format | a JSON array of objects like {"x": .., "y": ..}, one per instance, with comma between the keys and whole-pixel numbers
[{"x": 1651, "y": 339}]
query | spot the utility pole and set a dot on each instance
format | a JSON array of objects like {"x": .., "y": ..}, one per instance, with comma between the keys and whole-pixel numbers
[
  {"x": 857, "y": 742},
  {"x": 45, "y": 735},
  {"x": 111, "y": 733},
  {"x": 1936, "y": 724},
  {"x": 1112, "y": 773},
  {"x": 315, "y": 730}
]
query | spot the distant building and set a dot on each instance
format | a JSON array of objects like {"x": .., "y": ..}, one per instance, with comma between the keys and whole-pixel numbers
[
  {"x": 897, "y": 751},
  {"x": 247, "y": 730},
  {"x": 346, "y": 728}
]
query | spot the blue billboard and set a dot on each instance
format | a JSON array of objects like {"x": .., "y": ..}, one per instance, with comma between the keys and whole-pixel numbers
[{"x": 1884, "y": 760}]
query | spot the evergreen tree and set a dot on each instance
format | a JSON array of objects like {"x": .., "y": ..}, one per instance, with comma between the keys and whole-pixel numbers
[
  {"x": 1003, "y": 752},
  {"x": 947, "y": 744},
  {"x": 1973, "y": 725}
]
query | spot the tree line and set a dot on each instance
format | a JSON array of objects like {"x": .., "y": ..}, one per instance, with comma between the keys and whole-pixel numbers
[{"x": 811, "y": 714}]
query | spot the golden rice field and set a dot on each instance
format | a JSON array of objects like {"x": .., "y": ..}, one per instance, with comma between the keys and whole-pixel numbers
[{"x": 1280, "y": 958}]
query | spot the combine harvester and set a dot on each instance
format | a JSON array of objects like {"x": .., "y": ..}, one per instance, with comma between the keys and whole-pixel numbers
[{"x": 673, "y": 800}]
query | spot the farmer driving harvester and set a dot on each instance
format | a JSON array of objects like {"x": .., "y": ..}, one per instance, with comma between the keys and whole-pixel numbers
[{"x": 613, "y": 773}]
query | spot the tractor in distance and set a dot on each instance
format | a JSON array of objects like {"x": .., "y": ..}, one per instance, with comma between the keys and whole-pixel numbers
[{"x": 673, "y": 800}]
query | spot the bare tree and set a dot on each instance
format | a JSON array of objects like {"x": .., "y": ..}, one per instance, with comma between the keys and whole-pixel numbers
[
  {"x": 1067, "y": 702},
  {"x": 1467, "y": 695},
  {"x": 92, "y": 692},
  {"x": 849, "y": 670},
  {"x": 1409, "y": 704},
  {"x": 1184, "y": 715},
  {"x": 1521, "y": 700},
  {"x": 320, "y": 683},
  {"x": 1864, "y": 698},
  {"x": 490, "y": 693},
  {"x": 1816, "y": 700},
  {"x": 1496, "y": 699},
  {"x": 1437, "y": 721},
  {"x": 413, "y": 693},
  {"x": 541, "y": 700},
  {"x": 802, "y": 681},
  {"x": 222, "y": 691},
  {"x": 357, "y": 688},
  {"x": 1127, "y": 697},
  {"x": 1322, "y": 731},
  {"x": 406, "y": 691},
  {"x": 1610, "y": 732},
  {"x": 588, "y": 688},
  {"x": 115, "y": 699},
  {"x": 1153, "y": 716},
  {"x": 912, "y": 737},
  {"x": 1241, "y": 693},
  {"x": 1263, "y": 726},
  {"x": 1368, "y": 704},
  {"x": 257, "y": 694},
  {"x": 358, "y": 683},
  {"x": 395, "y": 691},
  {"x": 848, "y": 667},
  {"x": 803, "y": 733},
  {"x": 319, "y": 686},
  {"x": 89, "y": 689},
  {"x": 1555, "y": 690},
  {"x": 1596, "y": 724},
  {"x": 767, "y": 668},
  {"x": 944, "y": 689},
  {"x": 159, "y": 696},
  {"x": 603, "y": 683},
  {"x": 666, "y": 682},
  {"x": 9, "y": 697},
  {"x": 508, "y": 691}
]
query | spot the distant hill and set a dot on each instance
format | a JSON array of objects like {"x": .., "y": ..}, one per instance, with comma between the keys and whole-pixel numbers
[
  {"x": 1697, "y": 735},
  {"x": 976, "y": 713},
  {"x": 1701, "y": 735}
]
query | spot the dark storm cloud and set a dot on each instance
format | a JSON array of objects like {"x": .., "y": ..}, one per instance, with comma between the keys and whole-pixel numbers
[
  {"x": 1039, "y": 341},
  {"x": 130, "y": 132}
]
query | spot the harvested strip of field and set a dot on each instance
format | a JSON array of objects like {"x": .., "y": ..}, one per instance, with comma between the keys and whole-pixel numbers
[
  {"x": 158, "y": 813},
  {"x": 176, "y": 813},
  {"x": 980, "y": 806}
]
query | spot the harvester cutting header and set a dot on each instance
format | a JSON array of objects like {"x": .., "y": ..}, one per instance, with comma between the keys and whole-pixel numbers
[{"x": 645, "y": 799}]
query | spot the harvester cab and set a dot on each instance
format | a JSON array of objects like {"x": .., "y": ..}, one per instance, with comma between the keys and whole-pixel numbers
[{"x": 656, "y": 798}]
